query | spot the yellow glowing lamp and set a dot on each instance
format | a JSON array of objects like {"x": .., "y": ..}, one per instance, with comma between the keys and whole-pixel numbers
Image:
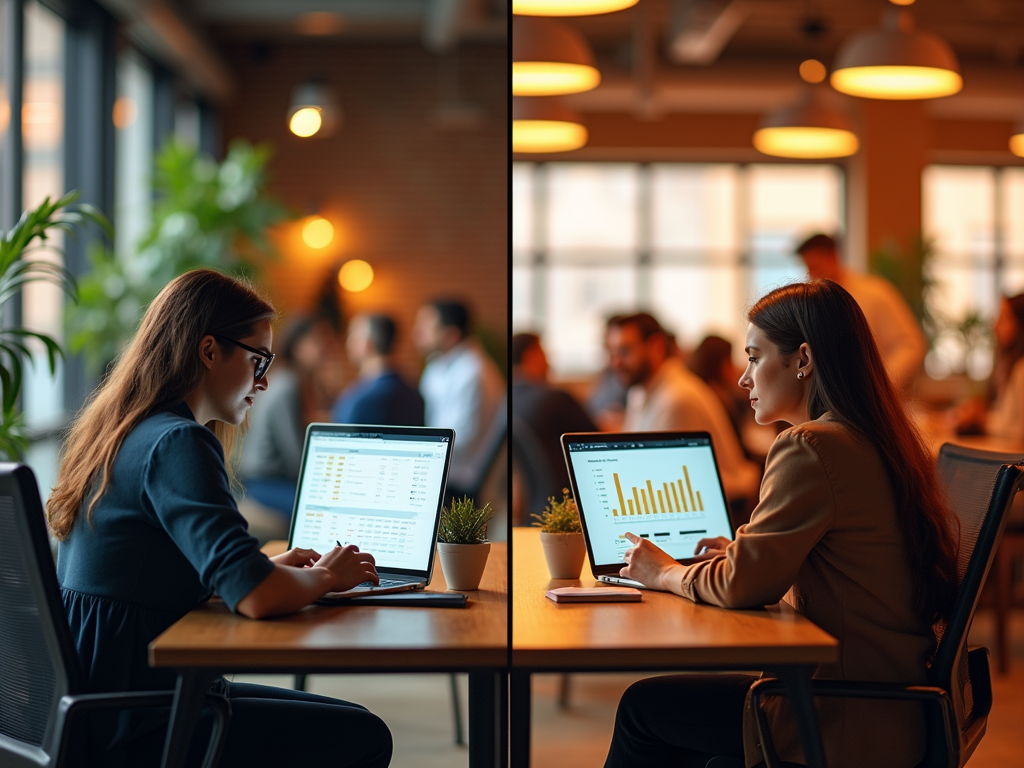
[
  {"x": 569, "y": 7},
  {"x": 810, "y": 129},
  {"x": 355, "y": 275},
  {"x": 305, "y": 122},
  {"x": 812, "y": 71},
  {"x": 550, "y": 58},
  {"x": 317, "y": 232},
  {"x": 896, "y": 62},
  {"x": 543, "y": 124},
  {"x": 1017, "y": 141}
]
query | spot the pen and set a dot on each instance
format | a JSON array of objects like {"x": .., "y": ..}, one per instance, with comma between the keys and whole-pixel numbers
[{"x": 337, "y": 542}]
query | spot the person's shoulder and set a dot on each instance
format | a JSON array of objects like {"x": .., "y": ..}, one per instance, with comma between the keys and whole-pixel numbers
[{"x": 828, "y": 438}]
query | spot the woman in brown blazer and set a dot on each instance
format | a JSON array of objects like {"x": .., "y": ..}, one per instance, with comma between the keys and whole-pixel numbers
[{"x": 850, "y": 530}]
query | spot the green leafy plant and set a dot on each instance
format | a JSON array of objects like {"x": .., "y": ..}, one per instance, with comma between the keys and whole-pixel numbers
[
  {"x": 560, "y": 516},
  {"x": 29, "y": 238},
  {"x": 463, "y": 522},
  {"x": 205, "y": 215}
]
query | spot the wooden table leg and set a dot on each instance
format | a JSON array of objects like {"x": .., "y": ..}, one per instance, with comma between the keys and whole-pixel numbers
[
  {"x": 189, "y": 695},
  {"x": 488, "y": 720},
  {"x": 519, "y": 721},
  {"x": 797, "y": 680}
]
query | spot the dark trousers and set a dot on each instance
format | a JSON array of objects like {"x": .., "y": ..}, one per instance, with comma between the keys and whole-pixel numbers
[
  {"x": 275, "y": 727},
  {"x": 679, "y": 720}
]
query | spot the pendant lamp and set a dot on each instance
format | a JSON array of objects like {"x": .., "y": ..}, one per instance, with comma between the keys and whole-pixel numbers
[
  {"x": 896, "y": 62},
  {"x": 809, "y": 129},
  {"x": 550, "y": 58},
  {"x": 568, "y": 7},
  {"x": 312, "y": 111},
  {"x": 1017, "y": 140},
  {"x": 544, "y": 124}
]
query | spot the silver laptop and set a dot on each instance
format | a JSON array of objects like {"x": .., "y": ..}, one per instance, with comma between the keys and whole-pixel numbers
[
  {"x": 378, "y": 487},
  {"x": 661, "y": 486}
]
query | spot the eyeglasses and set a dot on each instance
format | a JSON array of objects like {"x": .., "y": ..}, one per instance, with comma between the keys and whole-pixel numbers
[{"x": 266, "y": 358}]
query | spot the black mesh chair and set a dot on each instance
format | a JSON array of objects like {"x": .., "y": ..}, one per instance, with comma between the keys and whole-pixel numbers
[
  {"x": 980, "y": 486},
  {"x": 42, "y": 693}
]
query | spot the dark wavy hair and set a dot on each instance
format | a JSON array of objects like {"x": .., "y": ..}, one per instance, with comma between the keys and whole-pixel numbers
[{"x": 850, "y": 382}]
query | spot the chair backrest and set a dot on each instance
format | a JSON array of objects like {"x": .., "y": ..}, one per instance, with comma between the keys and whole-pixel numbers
[
  {"x": 38, "y": 662},
  {"x": 980, "y": 486}
]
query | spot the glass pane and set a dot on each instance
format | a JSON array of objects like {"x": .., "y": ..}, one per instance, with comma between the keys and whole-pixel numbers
[
  {"x": 1012, "y": 281},
  {"x": 693, "y": 301},
  {"x": 592, "y": 209},
  {"x": 42, "y": 122},
  {"x": 958, "y": 210},
  {"x": 578, "y": 301},
  {"x": 522, "y": 206},
  {"x": 5, "y": 120},
  {"x": 694, "y": 210},
  {"x": 523, "y": 318},
  {"x": 133, "y": 151}
]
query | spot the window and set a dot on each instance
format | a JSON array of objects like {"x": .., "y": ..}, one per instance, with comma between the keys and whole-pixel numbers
[
  {"x": 693, "y": 243},
  {"x": 133, "y": 151}
]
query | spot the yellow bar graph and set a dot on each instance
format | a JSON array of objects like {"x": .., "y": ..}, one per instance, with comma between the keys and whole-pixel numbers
[
  {"x": 618, "y": 489},
  {"x": 675, "y": 495},
  {"x": 661, "y": 501},
  {"x": 668, "y": 498},
  {"x": 636, "y": 500},
  {"x": 686, "y": 474},
  {"x": 682, "y": 493},
  {"x": 643, "y": 495},
  {"x": 699, "y": 502},
  {"x": 630, "y": 502},
  {"x": 650, "y": 495}
]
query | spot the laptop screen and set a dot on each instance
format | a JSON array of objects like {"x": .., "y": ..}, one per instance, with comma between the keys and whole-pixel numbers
[
  {"x": 379, "y": 488},
  {"x": 660, "y": 486}
]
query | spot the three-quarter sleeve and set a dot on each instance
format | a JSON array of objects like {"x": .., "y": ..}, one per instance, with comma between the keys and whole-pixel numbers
[
  {"x": 796, "y": 509},
  {"x": 186, "y": 487}
]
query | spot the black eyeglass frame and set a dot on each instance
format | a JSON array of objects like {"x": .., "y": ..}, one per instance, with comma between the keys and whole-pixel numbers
[{"x": 264, "y": 364}]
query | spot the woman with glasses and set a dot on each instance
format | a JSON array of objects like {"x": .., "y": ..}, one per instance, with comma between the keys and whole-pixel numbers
[{"x": 148, "y": 528}]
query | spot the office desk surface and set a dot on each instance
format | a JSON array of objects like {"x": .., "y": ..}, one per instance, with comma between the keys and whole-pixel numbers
[
  {"x": 662, "y": 632},
  {"x": 349, "y": 637}
]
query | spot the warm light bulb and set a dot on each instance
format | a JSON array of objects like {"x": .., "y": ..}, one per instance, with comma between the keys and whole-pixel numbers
[
  {"x": 902, "y": 2},
  {"x": 305, "y": 122},
  {"x": 317, "y": 232},
  {"x": 568, "y": 7},
  {"x": 805, "y": 142},
  {"x": 812, "y": 71},
  {"x": 355, "y": 276},
  {"x": 125, "y": 112},
  {"x": 549, "y": 78},
  {"x": 547, "y": 136},
  {"x": 897, "y": 82},
  {"x": 1017, "y": 144}
]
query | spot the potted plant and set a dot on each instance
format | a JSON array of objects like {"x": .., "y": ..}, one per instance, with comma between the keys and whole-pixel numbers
[
  {"x": 561, "y": 535},
  {"x": 462, "y": 542}
]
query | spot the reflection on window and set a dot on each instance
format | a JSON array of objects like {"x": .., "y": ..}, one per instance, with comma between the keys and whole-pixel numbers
[
  {"x": 695, "y": 244},
  {"x": 42, "y": 123}
]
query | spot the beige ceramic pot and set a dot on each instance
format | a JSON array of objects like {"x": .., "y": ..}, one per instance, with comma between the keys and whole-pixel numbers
[
  {"x": 463, "y": 564},
  {"x": 564, "y": 553}
]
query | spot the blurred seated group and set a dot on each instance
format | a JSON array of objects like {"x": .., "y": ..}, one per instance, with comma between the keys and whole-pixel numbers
[{"x": 461, "y": 387}]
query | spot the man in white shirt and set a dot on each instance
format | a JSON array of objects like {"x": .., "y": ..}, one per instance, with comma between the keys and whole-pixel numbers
[
  {"x": 664, "y": 395},
  {"x": 897, "y": 333},
  {"x": 462, "y": 387}
]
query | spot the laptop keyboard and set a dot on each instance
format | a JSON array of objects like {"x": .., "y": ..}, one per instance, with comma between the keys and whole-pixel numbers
[{"x": 383, "y": 583}]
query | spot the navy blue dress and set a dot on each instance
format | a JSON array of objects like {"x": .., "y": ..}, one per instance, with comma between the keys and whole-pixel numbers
[{"x": 165, "y": 536}]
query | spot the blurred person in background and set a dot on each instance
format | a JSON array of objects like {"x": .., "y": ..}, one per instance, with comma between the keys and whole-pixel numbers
[
  {"x": 712, "y": 362},
  {"x": 461, "y": 386},
  {"x": 545, "y": 411},
  {"x": 664, "y": 395},
  {"x": 607, "y": 401},
  {"x": 381, "y": 395},
  {"x": 896, "y": 330},
  {"x": 272, "y": 452}
]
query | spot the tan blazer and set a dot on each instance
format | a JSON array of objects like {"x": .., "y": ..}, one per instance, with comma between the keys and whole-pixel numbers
[{"x": 824, "y": 538}]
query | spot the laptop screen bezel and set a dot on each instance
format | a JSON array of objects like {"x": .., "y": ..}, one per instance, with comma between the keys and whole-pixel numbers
[
  {"x": 385, "y": 431},
  {"x": 612, "y": 569}
]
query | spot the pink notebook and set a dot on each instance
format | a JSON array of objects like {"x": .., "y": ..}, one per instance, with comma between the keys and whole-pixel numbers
[{"x": 595, "y": 595}]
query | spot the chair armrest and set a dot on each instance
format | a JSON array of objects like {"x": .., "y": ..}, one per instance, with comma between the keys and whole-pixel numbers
[
  {"x": 71, "y": 707},
  {"x": 859, "y": 690},
  {"x": 981, "y": 680}
]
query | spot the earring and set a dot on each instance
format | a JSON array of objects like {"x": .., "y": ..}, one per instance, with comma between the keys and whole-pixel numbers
[{"x": 800, "y": 375}]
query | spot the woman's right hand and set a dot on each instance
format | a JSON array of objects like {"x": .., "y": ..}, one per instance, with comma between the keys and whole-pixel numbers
[
  {"x": 708, "y": 548},
  {"x": 349, "y": 567}
]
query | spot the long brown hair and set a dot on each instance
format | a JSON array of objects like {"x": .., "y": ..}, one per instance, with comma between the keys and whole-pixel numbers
[
  {"x": 157, "y": 369},
  {"x": 850, "y": 382}
]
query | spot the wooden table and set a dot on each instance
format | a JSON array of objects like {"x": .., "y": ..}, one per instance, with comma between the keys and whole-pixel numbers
[
  {"x": 664, "y": 632},
  {"x": 211, "y": 640}
]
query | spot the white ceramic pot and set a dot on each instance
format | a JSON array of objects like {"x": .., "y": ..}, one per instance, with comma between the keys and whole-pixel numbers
[
  {"x": 564, "y": 553},
  {"x": 463, "y": 564}
]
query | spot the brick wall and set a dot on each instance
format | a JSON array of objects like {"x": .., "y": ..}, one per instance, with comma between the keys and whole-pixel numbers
[{"x": 426, "y": 207}]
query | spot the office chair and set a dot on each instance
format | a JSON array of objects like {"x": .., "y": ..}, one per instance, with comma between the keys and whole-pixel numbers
[
  {"x": 980, "y": 486},
  {"x": 42, "y": 692}
]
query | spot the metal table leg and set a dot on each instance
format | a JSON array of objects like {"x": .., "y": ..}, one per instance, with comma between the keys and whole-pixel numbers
[
  {"x": 797, "y": 680},
  {"x": 189, "y": 695},
  {"x": 488, "y": 720},
  {"x": 520, "y": 719}
]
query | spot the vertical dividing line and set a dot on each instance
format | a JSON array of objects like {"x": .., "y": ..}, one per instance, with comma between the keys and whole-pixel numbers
[
  {"x": 644, "y": 236},
  {"x": 998, "y": 239},
  {"x": 540, "y": 243}
]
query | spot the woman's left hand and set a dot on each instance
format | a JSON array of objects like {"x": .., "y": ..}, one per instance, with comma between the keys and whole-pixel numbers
[
  {"x": 648, "y": 564},
  {"x": 300, "y": 558}
]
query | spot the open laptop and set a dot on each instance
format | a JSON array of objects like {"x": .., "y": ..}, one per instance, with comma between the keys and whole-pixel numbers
[
  {"x": 662, "y": 486},
  {"x": 378, "y": 487}
]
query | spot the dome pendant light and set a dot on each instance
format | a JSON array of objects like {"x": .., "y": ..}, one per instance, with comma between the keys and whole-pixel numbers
[
  {"x": 1017, "y": 140},
  {"x": 896, "y": 62},
  {"x": 312, "y": 111},
  {"x": 543, "y": 124},
  {"x": 809, "y": 129},
  {"x": 550, "y": 58},
  {"x": 569, "y": 7}
]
